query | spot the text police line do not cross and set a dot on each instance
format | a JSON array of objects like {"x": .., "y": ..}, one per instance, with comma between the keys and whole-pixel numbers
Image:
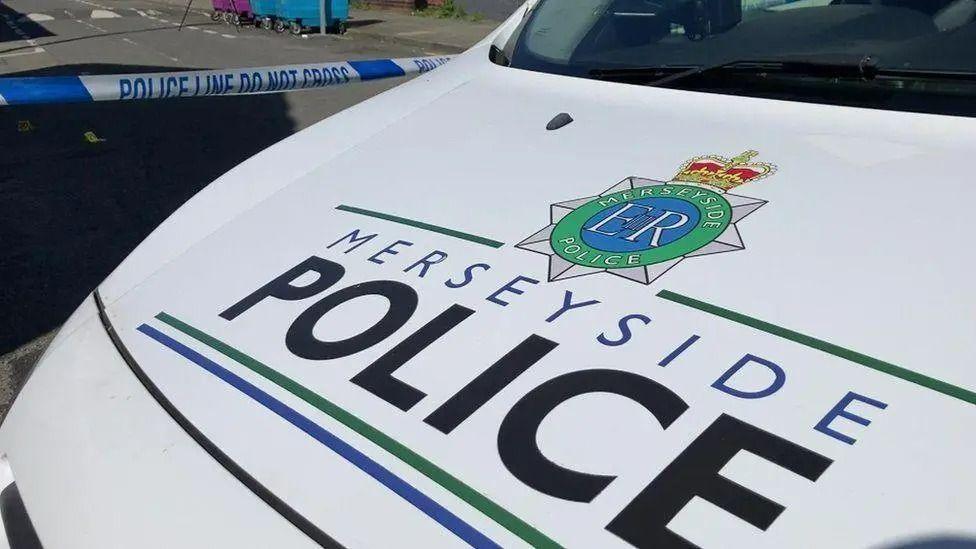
[
  {"x": 253, "y": 80},
  {"x": 206, "y": 83},
  {"x": 642, "y": 522}
]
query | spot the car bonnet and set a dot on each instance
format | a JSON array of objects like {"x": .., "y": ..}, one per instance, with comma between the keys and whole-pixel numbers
[{"x": 681, "y": 318}]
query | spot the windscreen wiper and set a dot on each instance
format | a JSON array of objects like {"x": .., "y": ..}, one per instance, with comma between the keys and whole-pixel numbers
[
  {"x": 865, "y": 69},
  {"x": 662, "y": 75},
  {"x": 649, "y": 74}
]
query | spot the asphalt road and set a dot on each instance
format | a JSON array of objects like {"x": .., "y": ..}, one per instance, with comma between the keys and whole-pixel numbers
[{"x": 74, "y": 206}]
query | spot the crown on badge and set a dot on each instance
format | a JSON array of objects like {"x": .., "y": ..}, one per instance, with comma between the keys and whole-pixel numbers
[{"x": 724, "y": 173}]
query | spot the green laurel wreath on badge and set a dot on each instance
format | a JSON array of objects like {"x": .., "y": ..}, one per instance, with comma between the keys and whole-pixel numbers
[{"x": 567, "y": 240}]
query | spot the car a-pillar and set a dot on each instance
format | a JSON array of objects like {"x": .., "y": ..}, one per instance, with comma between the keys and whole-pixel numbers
[{"x": 644, "y": 521}]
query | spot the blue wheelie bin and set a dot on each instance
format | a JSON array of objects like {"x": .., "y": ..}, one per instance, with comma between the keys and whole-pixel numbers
[
  {"x": 336, "y": 15},
  {"x": 301, "y": 14},
  {"x": 265, "y": 13}
]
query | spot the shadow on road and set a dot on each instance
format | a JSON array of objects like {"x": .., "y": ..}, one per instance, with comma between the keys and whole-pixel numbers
[
  {"x": 74, "y": 205},
  {"x": 356, "y": 23},
  {"x": 30, "y": 28}
]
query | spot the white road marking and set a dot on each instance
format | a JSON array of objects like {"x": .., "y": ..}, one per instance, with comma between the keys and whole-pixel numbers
[
  {"x": 137, "y": 44},
  {"x": 15, "y": 54},
  {"x": 208, "y": 31},
  {"x": 91, "y": 26},
  {"x": 36, "y": 17},
  {"x": 192, "y": 28},
  {"x": 228, "y": 36},
  {"x": 104, "y": 14}
]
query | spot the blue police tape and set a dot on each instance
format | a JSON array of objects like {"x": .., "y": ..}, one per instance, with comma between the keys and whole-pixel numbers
[{"x": 166, "y": 85}]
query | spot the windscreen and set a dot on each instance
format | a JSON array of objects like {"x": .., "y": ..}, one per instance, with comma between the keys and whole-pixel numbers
[{"x": 934, "y": 39}]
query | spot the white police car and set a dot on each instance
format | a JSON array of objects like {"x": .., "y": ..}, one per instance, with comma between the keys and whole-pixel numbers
[{"x": 627, "y": 273}]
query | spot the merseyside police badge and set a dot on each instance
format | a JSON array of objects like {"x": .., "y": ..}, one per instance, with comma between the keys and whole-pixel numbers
[{"x": 640, "y": 228}]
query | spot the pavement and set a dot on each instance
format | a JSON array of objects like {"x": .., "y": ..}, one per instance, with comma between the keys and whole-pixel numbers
[
  {"x": 491, "y": 9},
  {"x": 452, "y": 35},
  {"x": 83, "y": 184}
]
